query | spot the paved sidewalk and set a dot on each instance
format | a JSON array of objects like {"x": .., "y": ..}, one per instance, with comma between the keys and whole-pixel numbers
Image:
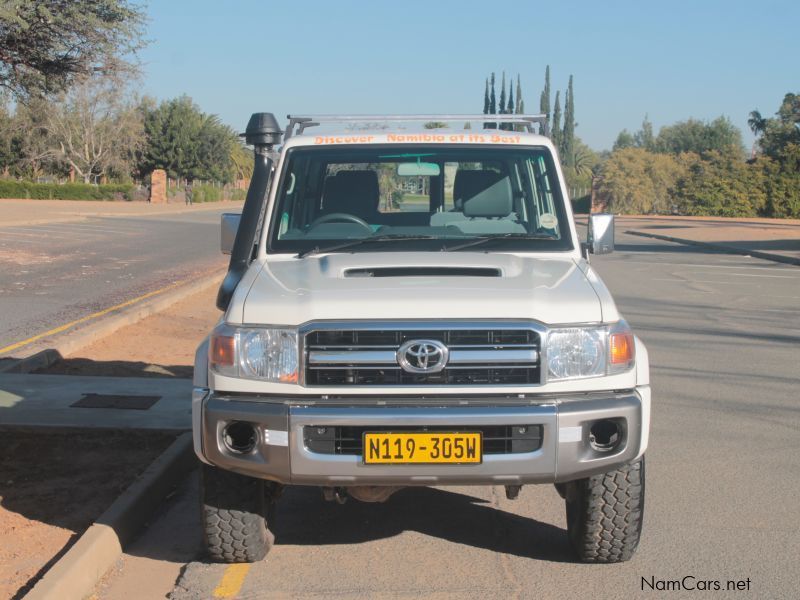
[
  {"x": 33, "y": 212},
  {"x": 47, "y": 400},
  {"x": 772, "y": 239}
]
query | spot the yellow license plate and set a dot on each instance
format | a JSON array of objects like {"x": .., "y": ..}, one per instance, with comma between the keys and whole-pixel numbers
[{"x": 422, "y": 448}]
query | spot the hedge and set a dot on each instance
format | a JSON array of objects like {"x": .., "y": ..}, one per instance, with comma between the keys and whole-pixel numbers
[
  {"x": 206, "y": 193},
  {"x": 65, "y": 191}
]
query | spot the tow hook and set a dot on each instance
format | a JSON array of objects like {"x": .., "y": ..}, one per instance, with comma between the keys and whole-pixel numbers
[
  {"x": 512, "y": 491},
  {"x": 338, "y": 494}
]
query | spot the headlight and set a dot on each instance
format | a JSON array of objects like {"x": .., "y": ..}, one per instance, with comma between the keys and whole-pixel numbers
[
  {"x": 254, "y": 353},
  {"x": 578, "y": 352}
]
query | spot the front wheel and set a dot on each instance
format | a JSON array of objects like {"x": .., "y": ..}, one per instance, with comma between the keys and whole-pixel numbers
[
  {"x": 235, "y": 509},
  {"x": 605, "y": 513}
]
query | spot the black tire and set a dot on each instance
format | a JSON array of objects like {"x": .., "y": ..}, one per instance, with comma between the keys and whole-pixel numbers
[
  {"x": 235, "y": 509},
  {"x": 605, "y": 513}
]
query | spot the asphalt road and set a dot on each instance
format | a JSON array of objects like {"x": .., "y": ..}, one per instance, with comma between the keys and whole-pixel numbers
[
  {"x": 55, "y": 273},
  {"x": 723, "y": 474}
]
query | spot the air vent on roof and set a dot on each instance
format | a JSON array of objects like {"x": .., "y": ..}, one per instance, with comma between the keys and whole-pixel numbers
[{"x": 423, "y": 272}]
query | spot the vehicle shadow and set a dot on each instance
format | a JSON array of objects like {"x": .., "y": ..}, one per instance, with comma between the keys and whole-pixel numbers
[
  {"x": 304, "y": 518},
  {"x": 114, "y": 368}
]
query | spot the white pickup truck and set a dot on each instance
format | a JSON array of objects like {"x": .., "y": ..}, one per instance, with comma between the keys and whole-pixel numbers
[{"x": 413, "y": 307}]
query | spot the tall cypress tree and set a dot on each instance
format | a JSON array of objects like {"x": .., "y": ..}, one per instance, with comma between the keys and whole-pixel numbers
[
  {"x": 492, "y": 103},
  {"x": 486, "y": 97},
  {"x": 518, "y": 106},
  {"x": 555, "y": 134},
  {"x": 544, "y": 99},
  {"x": 510, "y": 106},
  {"x": 568, "y": 138},
  {"x": 503, "y": 94}
]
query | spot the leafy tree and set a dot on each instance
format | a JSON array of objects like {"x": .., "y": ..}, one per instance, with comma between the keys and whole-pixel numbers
[
  {"x": 778, "y": 134},
  {"x": 544, "y": 99},
  {"x": 518, "y": 104},
  {"x": 94, "y": 129},
  {"x": 30, "y": 137},
  {"x": 644, "y": 138},
  {"x": 486, "y": 97},
  {"x": 435, "y": 125},
  {"x": 187, "y": 143},
  {"x": 641, "y": 182},
  {"x": 720, "y": 135},
  {"x": 722, "y": 185},
  {"x": 46, "y": 44},
  {"x": 625, "y": 139},
  {"x": 568, "y": 134},
  {"x": 555, "y": 135},
  {"x": 781, "y": 185},
  {"x": 9, "y": 154}
]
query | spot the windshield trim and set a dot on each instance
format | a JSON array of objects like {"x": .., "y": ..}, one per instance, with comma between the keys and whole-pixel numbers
[{"x": 566, "y": 244}]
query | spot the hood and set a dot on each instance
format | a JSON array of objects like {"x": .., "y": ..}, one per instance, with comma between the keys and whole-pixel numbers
[{"x": 421, "y": 285}]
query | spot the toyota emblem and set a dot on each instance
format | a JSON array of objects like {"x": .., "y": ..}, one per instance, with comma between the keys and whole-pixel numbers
[{"x": 422, "y": 356}]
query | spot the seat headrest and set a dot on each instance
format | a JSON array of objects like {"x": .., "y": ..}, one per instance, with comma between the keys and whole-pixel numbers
[
  {"x": 352, "y": 192},
  {"x": 483, "y": 194},
  {"x": 467, "y": 183}
]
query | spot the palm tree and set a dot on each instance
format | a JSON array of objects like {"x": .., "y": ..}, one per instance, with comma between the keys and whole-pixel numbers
[{"x": 757, "y": 123}]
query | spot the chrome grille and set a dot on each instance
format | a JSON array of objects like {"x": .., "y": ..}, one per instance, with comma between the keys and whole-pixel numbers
[{"x": 478, "y": 356}]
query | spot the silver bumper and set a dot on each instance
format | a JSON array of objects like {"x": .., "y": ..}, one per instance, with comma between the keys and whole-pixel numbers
[{"x": 281, "y": 454}]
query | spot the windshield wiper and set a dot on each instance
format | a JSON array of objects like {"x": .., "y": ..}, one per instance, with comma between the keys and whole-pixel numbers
[
  {"x": 359, "y": 242},
  {"x": 488, "y": 238}
]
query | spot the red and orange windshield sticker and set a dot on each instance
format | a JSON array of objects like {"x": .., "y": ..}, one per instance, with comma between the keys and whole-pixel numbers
[{"x": 422, "y": 138}]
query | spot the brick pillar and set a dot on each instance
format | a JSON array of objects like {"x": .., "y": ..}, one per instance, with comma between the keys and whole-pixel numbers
[{"x": 158, "y": 187}]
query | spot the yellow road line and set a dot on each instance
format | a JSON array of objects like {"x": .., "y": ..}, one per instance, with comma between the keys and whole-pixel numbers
[
  {"x": 66, "y": 326},
  {"x": 232, "y": 581}
]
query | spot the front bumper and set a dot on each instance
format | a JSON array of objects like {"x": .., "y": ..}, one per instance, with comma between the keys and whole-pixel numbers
[{"x": 281, "y": 454}]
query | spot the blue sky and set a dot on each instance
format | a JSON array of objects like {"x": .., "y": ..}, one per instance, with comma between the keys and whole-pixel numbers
[{"x": 670, "y": 60}]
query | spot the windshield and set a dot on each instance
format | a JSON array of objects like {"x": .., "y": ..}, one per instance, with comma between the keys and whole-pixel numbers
[{"x": 404, "y": 197}]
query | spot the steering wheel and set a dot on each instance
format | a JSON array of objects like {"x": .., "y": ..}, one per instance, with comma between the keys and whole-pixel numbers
[{"x": 340, "y": 217}]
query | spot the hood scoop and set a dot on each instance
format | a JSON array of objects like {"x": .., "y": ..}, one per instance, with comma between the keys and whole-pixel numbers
[{"x": 423, "y": 272}]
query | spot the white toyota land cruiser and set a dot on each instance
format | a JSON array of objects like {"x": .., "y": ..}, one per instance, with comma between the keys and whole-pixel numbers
[{"x": 411, "y": 307}]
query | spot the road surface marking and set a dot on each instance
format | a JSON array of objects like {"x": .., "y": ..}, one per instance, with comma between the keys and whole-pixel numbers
[
  {"x": 100, "y": 313},
  {"x": 232, "y": 581}
]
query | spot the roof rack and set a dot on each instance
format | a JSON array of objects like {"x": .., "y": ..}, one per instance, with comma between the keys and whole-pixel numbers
[{"x": 303, "y": 122}]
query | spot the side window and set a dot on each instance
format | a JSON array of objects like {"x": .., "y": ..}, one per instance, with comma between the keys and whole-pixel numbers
[{"x": 543, "y": 196}]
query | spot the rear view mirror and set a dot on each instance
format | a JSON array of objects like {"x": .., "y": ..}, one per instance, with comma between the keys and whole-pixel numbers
[
  {"x": 418, "y": 169},
  {"x": 601, "y": 233},
  {"x": 229, "y": 225}
]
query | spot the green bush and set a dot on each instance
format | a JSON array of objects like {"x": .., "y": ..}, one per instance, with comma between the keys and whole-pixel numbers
[
  {"x": 237, "y": 195},
  {"x": 65, "y": 191},
  {"x": 206, "y": 193}
]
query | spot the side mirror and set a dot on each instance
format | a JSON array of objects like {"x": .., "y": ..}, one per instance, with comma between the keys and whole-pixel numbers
[
  {"x": 229, "y": 225},
  {"x": 601, "y": 233}
]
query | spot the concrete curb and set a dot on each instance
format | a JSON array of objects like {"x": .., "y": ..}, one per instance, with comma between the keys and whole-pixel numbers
[
  {"x": 790, "y": 260},
  {"x": 47, "y": 350},
  {"x": 76, "y": 573},
  {"x": 43, "y": 358}
]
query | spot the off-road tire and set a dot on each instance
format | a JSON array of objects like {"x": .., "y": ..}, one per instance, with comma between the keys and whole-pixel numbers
[
  {"x": 605, "y": 513},
  {"x": 235, "y": 509}
]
